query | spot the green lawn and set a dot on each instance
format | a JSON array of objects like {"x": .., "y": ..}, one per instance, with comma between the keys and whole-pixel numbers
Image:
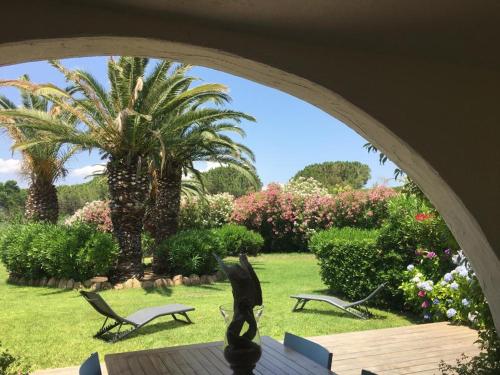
[{"x": 54, "y": 328}]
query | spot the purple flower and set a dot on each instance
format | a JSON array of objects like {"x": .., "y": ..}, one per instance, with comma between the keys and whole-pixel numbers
[
  {"x": 427, "y": 316},
  {"x": 447, "y": 252},
  {"x": 435, "y": 301},
  {"x": 454, "y": 286},
  {"x": 448, "y": 277},
  {"x": 431, "y": 254},
  {"x": 465, "y": 302},
  {"x": 425, "y": 304}
]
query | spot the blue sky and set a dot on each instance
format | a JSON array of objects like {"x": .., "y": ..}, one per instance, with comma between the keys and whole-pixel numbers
[{"x": 289, "y": 133}]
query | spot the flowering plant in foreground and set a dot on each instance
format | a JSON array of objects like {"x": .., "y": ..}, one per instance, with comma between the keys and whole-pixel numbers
[{"x": 456, "y": 296}]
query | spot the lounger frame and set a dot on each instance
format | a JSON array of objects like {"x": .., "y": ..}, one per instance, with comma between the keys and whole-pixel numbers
[
  {"x": 357, "y": 309},
  {"x": 104, "y": 333}
]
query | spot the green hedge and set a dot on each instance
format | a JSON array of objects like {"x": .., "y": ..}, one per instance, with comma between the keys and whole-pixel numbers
[
  {"x": 191, "y": 251},
  {"x": 347, "y": 260},
  {"x": 75, "y": 252},
  {"x": 236, "y": 239}
]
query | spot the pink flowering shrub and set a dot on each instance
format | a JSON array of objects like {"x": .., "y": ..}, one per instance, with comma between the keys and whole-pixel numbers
[
  {"x": 95, "y": 213},
  {"x": 287, "y": 219}
]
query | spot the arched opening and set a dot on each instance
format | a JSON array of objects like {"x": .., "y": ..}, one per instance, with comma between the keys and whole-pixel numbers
[{"x": 463, "y": 223}]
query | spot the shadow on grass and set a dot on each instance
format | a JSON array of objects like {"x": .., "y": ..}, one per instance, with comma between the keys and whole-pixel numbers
[
  {"x": 339, "y": 314},
  {"x": 50, "y": 292},
  {"x": 151, "y": 329},
  {"x": 163, "y": 291}
]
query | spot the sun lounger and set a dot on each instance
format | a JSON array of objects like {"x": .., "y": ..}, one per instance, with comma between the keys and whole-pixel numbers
[
  {"x": 136, "y": 320},
  {"x": 357, "y": 308}
]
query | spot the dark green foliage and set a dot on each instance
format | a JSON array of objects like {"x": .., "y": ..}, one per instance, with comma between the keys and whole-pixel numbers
[
  {"x": 349, "y": 260},
  {"x": 404, "y": 234},
  {"x": 236, "y": 239},
  {"x": 332, "y": 174},
  {"x": 191, "y": 251},
  {"x": 77, "y": 252},
  {"x": 12, "y": 200},
  {"x": 229, "y": 180},
  {"x": 74, "y": 197},
  {"x": 10, "y": 365}
]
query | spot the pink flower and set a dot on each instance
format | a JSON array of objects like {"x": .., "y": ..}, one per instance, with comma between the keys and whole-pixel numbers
[
  {"x": 425, "y": 304},
  {"x": 422, "y": 217},
  {"x": 422, "y": 293},
  {"x": 431, "y": 254}
]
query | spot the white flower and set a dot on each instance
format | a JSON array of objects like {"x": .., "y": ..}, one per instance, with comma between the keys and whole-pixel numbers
[
  {"x": 443, "y": 283},
  {"x": 472, "y": 316},
  {"x": 454, "y": 286},
  {"x": 462, "y": 271},
  {"x": 416, "y": 279},
  {"x": 465, "y": 302},
  {"x": 410, "y": 267},
  {"x": 450, "y": 313},
  {"x": 426, "y": 285},
  {"x": 448, "y": 277}
]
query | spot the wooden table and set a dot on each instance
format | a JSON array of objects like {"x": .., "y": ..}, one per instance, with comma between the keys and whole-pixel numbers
[{"x": 208, "y": 359}]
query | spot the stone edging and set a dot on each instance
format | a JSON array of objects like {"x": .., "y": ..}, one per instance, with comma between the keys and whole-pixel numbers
[{"x": 102, "y": 283}]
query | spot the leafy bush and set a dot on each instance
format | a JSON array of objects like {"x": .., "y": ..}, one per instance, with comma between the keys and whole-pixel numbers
[
  {"x": 75, "y": 252},
  {"x": 211, "y": 212},
  {"x": 236, "y": 239},
  {"x": 348, "y": 258},
  {"x": 96, "y": 213},
  {"x": 191, "y": 251}
]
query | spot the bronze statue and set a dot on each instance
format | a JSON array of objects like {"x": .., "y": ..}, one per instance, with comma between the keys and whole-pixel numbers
[{"x": 242, "y": 352}]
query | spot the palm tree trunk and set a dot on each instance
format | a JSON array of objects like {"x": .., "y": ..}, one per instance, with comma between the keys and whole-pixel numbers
[
  {"x": 41, "y": 202},
  {"x": 168, "y": 200},
  {"x": 128, "y": 189}
]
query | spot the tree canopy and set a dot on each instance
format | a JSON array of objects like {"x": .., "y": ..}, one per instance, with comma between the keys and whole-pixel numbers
[
  {"x": 332, "y": 174},
  {"x": 229, "y": 180},
  {"x": 12, "y": 200}
]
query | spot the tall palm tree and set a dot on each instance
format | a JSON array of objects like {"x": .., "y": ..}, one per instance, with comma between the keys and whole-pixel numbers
[
  {"x": 110, "y": 121},
  {"x": 42, "y": 164},
  {"x": 188, "y": 133}
]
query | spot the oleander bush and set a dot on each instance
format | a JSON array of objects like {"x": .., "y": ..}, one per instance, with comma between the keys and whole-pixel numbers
[
  {"x": 191, "y": 251},
  {"x": 288, "y": 216},
  {"x": 211, "y": 211},
  {"x": 95, "y": 213},
  {"x": 74, "y": 252},
  {"x": 236, "y": 239}
]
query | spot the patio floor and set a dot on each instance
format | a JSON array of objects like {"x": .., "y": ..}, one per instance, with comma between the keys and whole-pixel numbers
[{"x": 414, "y": 349}]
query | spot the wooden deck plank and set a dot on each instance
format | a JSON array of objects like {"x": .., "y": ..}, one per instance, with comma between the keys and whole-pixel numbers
[{"x": 414, "y": 349}]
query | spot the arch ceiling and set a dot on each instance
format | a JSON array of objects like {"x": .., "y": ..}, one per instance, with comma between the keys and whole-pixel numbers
[{"x": 418, "y": 79}]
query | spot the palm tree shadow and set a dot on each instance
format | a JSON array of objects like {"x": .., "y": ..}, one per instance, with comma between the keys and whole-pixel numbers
[{"x": 163, "y": 291}]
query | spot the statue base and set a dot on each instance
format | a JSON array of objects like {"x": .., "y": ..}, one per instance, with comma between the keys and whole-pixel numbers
[{"x": 242, "y": 361}]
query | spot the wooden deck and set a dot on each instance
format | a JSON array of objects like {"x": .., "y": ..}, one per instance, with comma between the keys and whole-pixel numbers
[{"x": 414, "y": 349}]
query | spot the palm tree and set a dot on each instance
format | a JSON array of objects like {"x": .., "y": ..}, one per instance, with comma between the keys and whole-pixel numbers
[
  {"x": 110, "y": 121},
  {"x": 43, "y": 164},
  {"x": 190, "y": 131}
]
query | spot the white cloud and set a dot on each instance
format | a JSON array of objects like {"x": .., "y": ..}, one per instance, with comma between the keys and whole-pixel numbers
[
  {"x": 86, "y": 171},
  {"x": 10, "y": 165}
]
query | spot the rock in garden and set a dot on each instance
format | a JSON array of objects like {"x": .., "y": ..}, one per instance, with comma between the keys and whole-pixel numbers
[
  {"x": 195, "y": 279},
  {"x": 186, "y": 280},
  {"x": 95, "y": 287},
  {"x": 52, "y": 282},
  {"x": 136, "y": 283},
  {"x": 204, "y": 279},
  {"x": 87, "y": 284},
  {"x": 212, "y": 279},
  {"x": 178, "y": 280},
  {"x": 128, "y": 284},
  {"x": 70, "y": 284},
  {"x": 169, "y": 282},
  {"x": 77, "y": 285},
  {"x": 99, "y": 279},
  {"x": 106, "y": 285},
  {"x": 148, "y": 284},
  {"x": 160, "y": 283},
  {"x": 118, "y": 286},
  {"x": 43, "y": 281},
  {"x": 62, "y": 283}
]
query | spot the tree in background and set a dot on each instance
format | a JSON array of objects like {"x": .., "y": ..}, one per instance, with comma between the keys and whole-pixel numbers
[
  {"x": 337, "y": 174},
  {"x": 229, "y": 180},
  {"x": 12, "y": 200},
  {"x": 42, "y": 163},
  {"x": 74, "y": 197}
]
